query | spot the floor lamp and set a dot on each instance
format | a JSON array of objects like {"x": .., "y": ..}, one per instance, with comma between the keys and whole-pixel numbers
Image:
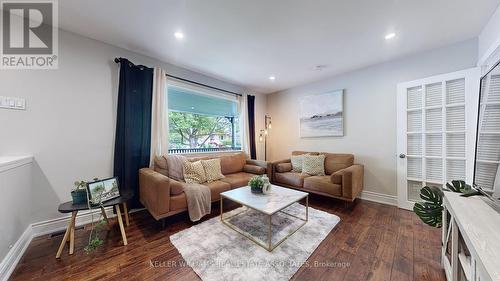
[{"x": 263, "y": 133}]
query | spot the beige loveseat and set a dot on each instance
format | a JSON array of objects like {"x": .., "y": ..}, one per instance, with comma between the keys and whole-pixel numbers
[
  {"x": 161, "y": 187},
  {"x": 343, "y": 179}
]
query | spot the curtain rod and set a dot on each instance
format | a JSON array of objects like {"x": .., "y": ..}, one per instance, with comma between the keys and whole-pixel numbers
[{"x": 117, "y": 60}]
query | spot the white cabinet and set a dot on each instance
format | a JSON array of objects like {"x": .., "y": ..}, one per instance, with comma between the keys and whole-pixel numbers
[{"x": 471, "y": 239}]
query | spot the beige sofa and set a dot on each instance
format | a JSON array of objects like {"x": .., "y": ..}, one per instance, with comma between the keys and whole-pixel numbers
[
  {"x": 161, "y": 187},
  {"x": 343, "y": 179}
]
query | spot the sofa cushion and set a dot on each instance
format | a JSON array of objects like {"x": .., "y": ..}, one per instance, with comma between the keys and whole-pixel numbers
[
  {"x": 232, "y": 163},
  {"x": 238, "y": 179},
  {"x": 194, "y": 172},
  {"x": 283, "y": 167},
  {"x": 297, "y": 162},
  {"x": 176, "y": 187},
  {"x": 216, "y": 187},
  {"x": 313, "y": 165},
  {"x": 254, "y": 169},
  {"x": 336, "y": 161},
  {"x": 291, "y": 178},
  {"x": 160, "y": 165},
  {"x": 322, "y": 184},
  {"x": 174, "y": 163},
  {"x": 212, "y": 169}
]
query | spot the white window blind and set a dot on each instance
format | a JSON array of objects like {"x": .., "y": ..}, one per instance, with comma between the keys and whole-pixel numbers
[
  {"x": 488, "y": 142},
  {"x": 435, "y": 135}
]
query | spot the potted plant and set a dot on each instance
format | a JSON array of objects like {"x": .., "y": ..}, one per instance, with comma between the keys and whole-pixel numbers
[
  {"x": 256, "y": 183},
  {"x": 430, "y": 211},
  {"x": 79, "y": 193}
]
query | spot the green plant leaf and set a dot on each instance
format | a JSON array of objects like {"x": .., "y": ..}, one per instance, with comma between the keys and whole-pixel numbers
[
  {"x": 432, "y": 194},
  {"x": 430, "y": 214},
  {"x": 458, "y": 186},
  {"x": 430, "y": 211}
]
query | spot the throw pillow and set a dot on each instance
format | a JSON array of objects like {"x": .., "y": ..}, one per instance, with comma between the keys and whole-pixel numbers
[
  {"x": 297, "y": 163},
  {"x": 314, "y": 165},
  {"x": 175, "y": 168},
  {"x": 194, "y": 172},
  {"x": 212, "y": 169}
]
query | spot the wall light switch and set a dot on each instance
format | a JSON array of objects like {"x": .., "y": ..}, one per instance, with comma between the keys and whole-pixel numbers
[{"x": 12, "y": 103}]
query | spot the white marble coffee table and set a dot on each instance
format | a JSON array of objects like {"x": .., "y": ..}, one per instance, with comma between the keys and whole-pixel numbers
[{"x": 268, "y": 204}]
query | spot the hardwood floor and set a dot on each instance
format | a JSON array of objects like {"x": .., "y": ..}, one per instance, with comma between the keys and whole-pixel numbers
[{"x": 373, "y": 241}]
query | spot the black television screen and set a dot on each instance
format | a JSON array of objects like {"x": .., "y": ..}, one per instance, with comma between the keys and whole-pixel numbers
[{"x": 487, "y": 159}]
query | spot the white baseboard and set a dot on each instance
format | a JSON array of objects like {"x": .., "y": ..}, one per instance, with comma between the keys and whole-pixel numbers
[
  {"x": 60, "y": 224},
  {"x": 15, "y": 253},
  {"x": 379, "y": 197},
  {"x": 37, "y": 229}
]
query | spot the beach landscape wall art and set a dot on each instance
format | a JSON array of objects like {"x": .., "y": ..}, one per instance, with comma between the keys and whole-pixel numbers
[{"x": 322, "y": 115}]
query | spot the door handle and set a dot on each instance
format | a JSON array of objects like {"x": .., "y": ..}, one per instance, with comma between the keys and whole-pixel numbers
[{"x": 402, "y": 155}]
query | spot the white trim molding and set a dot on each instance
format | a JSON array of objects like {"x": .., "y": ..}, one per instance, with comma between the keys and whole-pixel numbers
[
  {"x": 379, "y": 198},
  {"x": 15, "y": 254},
  {"x": 11, "y": 162},
  {"x": 37, "y": 229}
]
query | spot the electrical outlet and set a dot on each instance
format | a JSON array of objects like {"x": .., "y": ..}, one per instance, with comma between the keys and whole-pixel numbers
[{"x": 12, "y": 103}]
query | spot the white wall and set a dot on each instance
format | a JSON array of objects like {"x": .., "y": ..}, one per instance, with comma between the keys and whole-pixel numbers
[
  {"x": 69, "y": 124},
  {"x": 369, "y": 111},
  {"x": 15, "y": 185},
  {"x": 489, "y": 41}
]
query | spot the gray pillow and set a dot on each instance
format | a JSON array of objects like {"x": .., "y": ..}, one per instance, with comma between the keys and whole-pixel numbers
[
  {"x": 297, "y": 163},
  {"x": 313, "y": 165}
]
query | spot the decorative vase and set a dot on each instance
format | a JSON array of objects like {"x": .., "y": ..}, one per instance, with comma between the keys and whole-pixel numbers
[
  {"x": 79, "y": 196},
  {"x": 266, "y": 188}
]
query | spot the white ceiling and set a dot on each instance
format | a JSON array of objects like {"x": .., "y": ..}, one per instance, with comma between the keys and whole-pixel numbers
[{"x": 246, "y": 41}]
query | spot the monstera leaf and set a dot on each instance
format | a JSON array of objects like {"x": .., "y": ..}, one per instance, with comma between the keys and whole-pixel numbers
[
  {"x": 430, "y": 211},
  {"x": 458, "y": 186}
]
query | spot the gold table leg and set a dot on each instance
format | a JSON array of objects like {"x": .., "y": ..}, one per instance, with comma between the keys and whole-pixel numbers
[
  {"x": 270, "y": 236},
  {"x": 120, "y": 222},
  {"x": 221, "y": 207},
  {"x": 269, "y": 247},
  {"x": 67, "y": 234},
  {"x": 125, "y": 211}
]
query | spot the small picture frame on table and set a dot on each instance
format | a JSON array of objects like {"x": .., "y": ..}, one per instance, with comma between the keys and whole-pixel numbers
[{"x": 103, "y": 190}]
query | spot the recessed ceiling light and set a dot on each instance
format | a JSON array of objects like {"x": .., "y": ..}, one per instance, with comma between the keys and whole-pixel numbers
[
  {"x": 390, "y": 36},
  {"x": 179, "y": 35},
  {"x": 272, "y": 78}
]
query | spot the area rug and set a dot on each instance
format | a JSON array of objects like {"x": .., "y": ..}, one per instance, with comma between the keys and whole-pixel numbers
[{"x": 216, "y": 252}]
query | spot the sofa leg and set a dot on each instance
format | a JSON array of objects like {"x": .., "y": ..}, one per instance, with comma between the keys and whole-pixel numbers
[
  {"x": 348, "y": 204},
  {"x": 163, "y": 222}
]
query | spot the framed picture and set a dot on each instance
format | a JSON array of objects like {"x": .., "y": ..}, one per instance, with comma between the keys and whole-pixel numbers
[
  {"x": 103, "y": 190},
  {"x": 322, "y": 115}
]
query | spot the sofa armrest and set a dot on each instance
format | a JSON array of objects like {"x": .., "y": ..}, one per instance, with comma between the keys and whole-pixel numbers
[
  {"x": 273, "y": 169},
  {"x": 254, "y": 169},
  {"x": 154, "y": 190},
  {"x": 351, "y": 179},
  {"x": 264, "y": 164}
]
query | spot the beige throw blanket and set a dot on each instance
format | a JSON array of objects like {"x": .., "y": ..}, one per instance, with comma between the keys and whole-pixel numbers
[{"x": 199, "y": 200}]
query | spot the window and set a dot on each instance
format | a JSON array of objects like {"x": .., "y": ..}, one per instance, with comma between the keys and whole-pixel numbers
[{"x": 201, "y": 120}]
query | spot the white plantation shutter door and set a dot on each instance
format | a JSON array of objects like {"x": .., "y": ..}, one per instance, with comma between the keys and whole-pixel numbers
[
  {"x": 432, "y": 141},
  {"x": 488, "y": 147}
]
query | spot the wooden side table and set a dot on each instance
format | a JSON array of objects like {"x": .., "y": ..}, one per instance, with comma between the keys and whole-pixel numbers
[{"x": 69, "y": 207}]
